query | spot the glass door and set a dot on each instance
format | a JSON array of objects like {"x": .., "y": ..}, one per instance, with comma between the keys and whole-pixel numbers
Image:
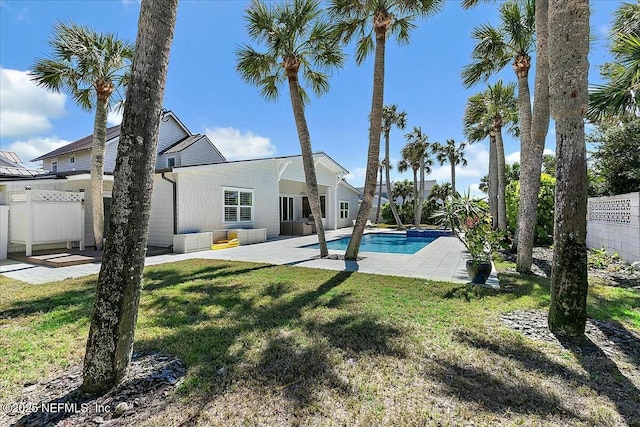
[{"x": 286, "y": 208}]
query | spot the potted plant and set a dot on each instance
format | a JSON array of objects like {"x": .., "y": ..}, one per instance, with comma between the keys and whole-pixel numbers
[{"x": 469, "y": 220}]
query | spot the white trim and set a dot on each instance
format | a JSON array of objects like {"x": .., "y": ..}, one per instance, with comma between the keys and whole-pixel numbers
[
  {"x": 224, "y": 206},
  {"x": 341, "y": 210}
]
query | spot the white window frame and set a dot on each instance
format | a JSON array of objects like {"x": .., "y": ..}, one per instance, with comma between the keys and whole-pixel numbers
[
  {"x": 291, "y": 208},
  {"x": 343, "y": 212},
  {"x": 174, "y": 162},
  {"x": 72, "y": 160},
  {"x": 54, "y": 167},
  {"x": 238, "y": 206}
]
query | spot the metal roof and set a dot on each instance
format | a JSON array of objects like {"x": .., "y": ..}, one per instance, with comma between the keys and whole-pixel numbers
[{"x": 81, "y": 144}]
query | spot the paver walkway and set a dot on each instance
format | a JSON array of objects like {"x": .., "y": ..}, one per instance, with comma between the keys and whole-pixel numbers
[{"x": 443, "y": 259}]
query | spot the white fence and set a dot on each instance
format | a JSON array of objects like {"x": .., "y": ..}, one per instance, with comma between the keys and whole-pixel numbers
[
  {"x": 46, "y": 216},
  {"x": 613, "y": 223}
]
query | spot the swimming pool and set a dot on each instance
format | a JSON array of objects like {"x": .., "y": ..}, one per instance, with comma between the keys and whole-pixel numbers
[{"x": 381, "y": 242}]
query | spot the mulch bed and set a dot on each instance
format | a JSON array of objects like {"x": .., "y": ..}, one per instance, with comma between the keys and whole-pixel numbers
[{"x": 146, "y": 388}]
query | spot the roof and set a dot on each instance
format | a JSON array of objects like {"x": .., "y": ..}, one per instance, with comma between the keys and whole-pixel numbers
[
  {"x": 9, "y": 171},
  {"x": 81, "y": 144},
  {"x": 10, "y": 156},
  {"x": 182, "y": 144}
]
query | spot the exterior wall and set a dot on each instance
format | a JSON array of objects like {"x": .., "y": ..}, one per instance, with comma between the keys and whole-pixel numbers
[
  {"x": 295, "y": 172},
  {"x": 82, "y": 162},
  {"x": 161, "y": 218},
  {"x": 170, "y": 132},
  {"x": 346, "y": 194},
  {"x": 613, "y": 223},
  {"x": 200, "y": 153},
  {"x": 200, "y": 195}
]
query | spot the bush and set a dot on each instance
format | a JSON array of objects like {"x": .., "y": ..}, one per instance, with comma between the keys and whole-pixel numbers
[
  {"x": 544, "y": 224},
  {"x": 406, "y": 212}
]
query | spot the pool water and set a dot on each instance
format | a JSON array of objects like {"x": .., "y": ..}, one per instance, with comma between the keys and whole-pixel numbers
[{"x": 381, "y": 242}]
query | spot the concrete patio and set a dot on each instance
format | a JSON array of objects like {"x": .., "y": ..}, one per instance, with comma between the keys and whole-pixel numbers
[{"x": 443, "y": 260}]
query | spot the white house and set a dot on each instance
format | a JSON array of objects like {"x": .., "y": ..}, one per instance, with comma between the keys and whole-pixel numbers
[{"x": 196, "y": 189}]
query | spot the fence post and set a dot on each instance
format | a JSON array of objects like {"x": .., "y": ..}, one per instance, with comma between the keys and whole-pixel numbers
[
  {"x": 29, "y": 237},
  {"x": 82, "y": 221}
]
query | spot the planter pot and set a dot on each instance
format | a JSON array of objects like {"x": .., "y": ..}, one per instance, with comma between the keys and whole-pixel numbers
[{"x": 478, "y": 272}]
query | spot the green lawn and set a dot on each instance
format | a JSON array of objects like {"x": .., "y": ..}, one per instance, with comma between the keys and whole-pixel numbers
[{"x": 303, "y": 346}]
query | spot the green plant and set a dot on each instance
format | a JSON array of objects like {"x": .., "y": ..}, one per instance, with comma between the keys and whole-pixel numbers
[
  {"x": 544, "y": 222},
  {"x": 602, "y": 260},
  {"x": 470, "y": 221}
]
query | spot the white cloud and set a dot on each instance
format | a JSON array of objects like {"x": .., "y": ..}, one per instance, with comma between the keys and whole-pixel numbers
[
  {"x": 515, "y": 156},
  {"x": 114, "y": 117},
  {"x": 236, "y": 145},
  {"x": 34, "y": 147},
  {"x": 477, "y": 165},
  {"x": 25, "y": 108},
  {"x": 356, "y": 176}
]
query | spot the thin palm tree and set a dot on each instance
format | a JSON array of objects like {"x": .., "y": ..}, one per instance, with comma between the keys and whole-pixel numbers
[
  {"x": 369, "y": 23},
  {"x": 390, "y": 117},
  {"x": 297, "y": 41},
  {"x": 569, "y": 97},
  {"x": 91, "y": 67},
  {"x": 453, "y": 154},
  {"x": 416, "y": 154},
  {"x": 620, "y": 95},
  {"x": 495, "y": 47},
  {"x": 381, "y": 168},
  {"x": 113, "y": 320},
  {"x": 486, "y": 114}
]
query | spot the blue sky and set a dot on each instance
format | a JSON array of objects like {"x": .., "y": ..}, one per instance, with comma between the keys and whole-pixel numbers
[{"x": 206, "y": 93}]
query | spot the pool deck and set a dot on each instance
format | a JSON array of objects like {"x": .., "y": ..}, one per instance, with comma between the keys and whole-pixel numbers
[{"x": 442, "y": 260}]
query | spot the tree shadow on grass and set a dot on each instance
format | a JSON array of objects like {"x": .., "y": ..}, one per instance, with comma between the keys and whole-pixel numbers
[{"x": 603, "y": 377}]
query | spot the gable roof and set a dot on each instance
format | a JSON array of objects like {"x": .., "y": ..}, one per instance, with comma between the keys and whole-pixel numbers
[
  {"x": 182, "y": 144},
  {"x": 81, "y": 144}
]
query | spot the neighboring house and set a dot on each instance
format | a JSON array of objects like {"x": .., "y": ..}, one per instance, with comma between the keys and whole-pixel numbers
[{"x": 196, "y": 189}]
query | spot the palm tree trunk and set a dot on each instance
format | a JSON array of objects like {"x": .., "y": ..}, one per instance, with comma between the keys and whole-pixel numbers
[
  {"x": 375, "y": 129},
  {"x": 379, "y": 198},
  {"x": 418, "y": 211},
  {"x": 493, "y": 182},
  {"x": 387, "y": 167},
  {"x": 453, "y": 177},
  {"x": 524, "y": 109},
  {"x": 502, "y": 182},
  {"x": 569, "y": 67},
  {"x": 110, "y": 341},
  {"x": 531, "y": 155},
  {"x": 307, "y": 160},
  {"x": 415, "y": 197},
  {"x": 98, "y": 149}
]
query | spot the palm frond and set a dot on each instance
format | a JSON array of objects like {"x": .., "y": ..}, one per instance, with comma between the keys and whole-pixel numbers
[{"x": 364, "y": 47}]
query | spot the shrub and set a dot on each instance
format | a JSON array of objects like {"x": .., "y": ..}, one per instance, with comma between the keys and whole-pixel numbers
[{"x": 544, "y": 223}]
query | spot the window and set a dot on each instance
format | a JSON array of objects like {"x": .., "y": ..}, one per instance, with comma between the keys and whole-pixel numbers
[
  {"x": 238, "y": 205},
  {"x": 171, "y": 162},
  {"x": 306, "y": 209},
  {"x": 54, "y": 166},
  {"x": 286, "y": 208},
  {"x": 72, "y": 159},
  {"x": 344, "y": 210}
]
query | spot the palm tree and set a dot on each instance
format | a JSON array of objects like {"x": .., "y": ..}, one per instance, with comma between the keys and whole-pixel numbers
[
  {"x": 297, "y": 41},
  {"x": 569, "y": 97},
  {"x": 485, "y": 115},
  {"x": 441, "y": 192},
  {"x": 391, "y": 116},
  {"x": 110, "y": 341},
  {"x": 495, "y": 48},
  {"x": 91, "y": 67},
  {"x": 403, "y": 189},
  {"x": 369, "y": 22},
  {"x": 453, "y": 154},
  {"x": 381, "y": 167},
  {"x": 415, "y": 155},
  {"x": 620, "y": 95}
]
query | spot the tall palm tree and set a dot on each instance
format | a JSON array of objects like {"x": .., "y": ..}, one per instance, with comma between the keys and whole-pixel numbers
[
  {"x": 495, "y": 48},
  {"x": 297, "y": 41},
  {"x": 90, "y": 67},
  {"x": 110, "y": 341},
  {"x": 391, "y": 116},
  {"x": 620, "y": 95},
  {"x": 569, "y": 97},
  {"x": 453, "y": 154},
  {"x": 485, "y": 115},
  {"x": 369, "y": 22},
  {"x": 381, "y": 168},
  {"x": 416, "y": 155},
  {"x": 441, "y": 192}
]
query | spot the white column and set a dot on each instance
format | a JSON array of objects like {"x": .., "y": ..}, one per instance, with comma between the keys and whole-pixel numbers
[{"x": 29, "y": 236}]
